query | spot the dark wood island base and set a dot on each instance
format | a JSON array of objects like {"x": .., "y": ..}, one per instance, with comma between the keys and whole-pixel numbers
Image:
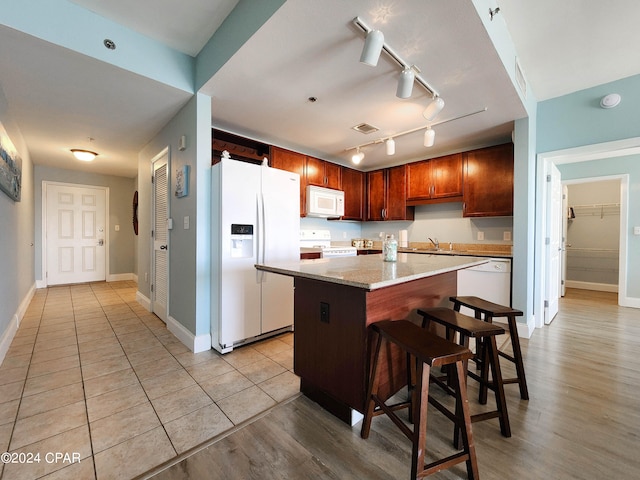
[{"x": 331, "y": 343}]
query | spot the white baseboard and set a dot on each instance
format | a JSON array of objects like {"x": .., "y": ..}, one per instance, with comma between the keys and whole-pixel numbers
[
  {"x": 135, "y": 277},
  {"x": 144, "y": 301},
  {"x": 14, "y": 324},
  {"x": 525, "y": 330},
  {"x": 120, "y": 277},
  {"x": 600, "y": 287},
  {"x": 629, "y": 302},
  {"x": 194, "y": 343},
  {"x": 41, "y": 284}
]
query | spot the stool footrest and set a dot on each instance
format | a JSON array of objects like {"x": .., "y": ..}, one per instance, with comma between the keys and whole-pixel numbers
[{"x": 444, "y": 463}]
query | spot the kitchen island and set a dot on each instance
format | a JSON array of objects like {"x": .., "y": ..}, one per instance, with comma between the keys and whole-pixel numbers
[{"x": 334, "y": 302}]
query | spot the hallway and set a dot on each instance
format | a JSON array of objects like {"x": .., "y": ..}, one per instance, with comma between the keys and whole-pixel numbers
[{"x": 92, "y": 374}]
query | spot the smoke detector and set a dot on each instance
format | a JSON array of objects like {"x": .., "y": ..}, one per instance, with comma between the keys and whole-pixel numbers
[{"x": 610, "y": 101}]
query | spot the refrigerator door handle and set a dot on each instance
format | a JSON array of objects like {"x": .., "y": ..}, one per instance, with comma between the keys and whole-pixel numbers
[{"x": 260, "y": 248}]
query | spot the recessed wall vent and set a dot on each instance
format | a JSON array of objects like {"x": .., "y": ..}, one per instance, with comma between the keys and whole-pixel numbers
[{"x": 365, "y": 128}]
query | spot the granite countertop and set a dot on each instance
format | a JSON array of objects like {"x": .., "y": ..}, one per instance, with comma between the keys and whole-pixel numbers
[
  {"x": 370, "y": 272},
  {"x": 446, "y": 251}
]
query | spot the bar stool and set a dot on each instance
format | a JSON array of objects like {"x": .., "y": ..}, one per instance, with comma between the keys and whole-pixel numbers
[
  {"x": 428, "y": 350},
  {"x": 493, "y": 310},
  {"x": 469, "y": 327}
]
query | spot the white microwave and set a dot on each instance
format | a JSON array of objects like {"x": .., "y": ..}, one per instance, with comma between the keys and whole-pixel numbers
[{"x": 324, "y": 202}]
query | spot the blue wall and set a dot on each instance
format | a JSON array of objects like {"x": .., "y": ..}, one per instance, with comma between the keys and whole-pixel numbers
[{"x": 577, "y": 120}]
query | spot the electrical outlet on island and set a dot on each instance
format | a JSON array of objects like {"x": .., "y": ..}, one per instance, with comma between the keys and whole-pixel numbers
[{"x": 480, "y": 235}]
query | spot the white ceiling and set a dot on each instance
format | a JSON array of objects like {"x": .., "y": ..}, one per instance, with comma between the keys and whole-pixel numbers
[{"x": 60, "y": 98}]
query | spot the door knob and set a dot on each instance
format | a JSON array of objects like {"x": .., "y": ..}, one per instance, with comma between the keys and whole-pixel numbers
[
  {"x": 100, "y": 242},
  {"x": 163, "y": 247}
]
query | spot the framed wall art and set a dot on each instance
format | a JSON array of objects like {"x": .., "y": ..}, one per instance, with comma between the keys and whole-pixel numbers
[
  {"x": 182, "y": 181},
  {"x": 10, "y": 167}
]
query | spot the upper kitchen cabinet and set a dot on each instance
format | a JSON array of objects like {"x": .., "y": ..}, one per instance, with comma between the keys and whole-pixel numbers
[
  {"x": 292, "y": 162},
  {"x": 323, "y": 174},
  {"x": 435, "y": 180},
  {"x": 488, "y": 182},
  {"x": 387, "y": 195},
  {"x": 353, "y": 185}
]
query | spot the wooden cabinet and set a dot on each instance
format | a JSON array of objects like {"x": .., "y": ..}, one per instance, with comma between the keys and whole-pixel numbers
[
  {"x": 488, "y": 182},
  {"x": 435, "y": 180},
  {"x": 323, "y": 174},
  {"x": 353, "y": 185},
  {"x": 386, "y": 195},
  {"x": 292, "y": 162}
]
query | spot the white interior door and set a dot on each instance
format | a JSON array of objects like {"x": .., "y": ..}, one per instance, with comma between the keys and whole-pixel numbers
[
  {"x": 75, "y": 234},
  {"x": 160, "y": 258},
  {"x": 554, "y": 242}
]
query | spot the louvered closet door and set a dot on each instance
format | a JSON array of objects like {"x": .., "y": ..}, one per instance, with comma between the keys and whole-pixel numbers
[{"x": 160, "y": 286}]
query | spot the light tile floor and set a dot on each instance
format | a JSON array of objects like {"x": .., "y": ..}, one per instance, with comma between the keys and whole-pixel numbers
[{"x": 91, "y": 373}]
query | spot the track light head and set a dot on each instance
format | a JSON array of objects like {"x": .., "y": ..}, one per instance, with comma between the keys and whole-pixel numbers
[
  {"x": 391, "y": 146},
  {"x": 433, "y": 109},
  {"x": 357, "y": 157},
  {"x": 429, "y": 137},
  {"x": 405, "y": 83},
  {"x": 372, "y": 48}
]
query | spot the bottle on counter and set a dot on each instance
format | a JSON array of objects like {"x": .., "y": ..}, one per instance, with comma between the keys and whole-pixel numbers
[{"x": 390, "y": 249}]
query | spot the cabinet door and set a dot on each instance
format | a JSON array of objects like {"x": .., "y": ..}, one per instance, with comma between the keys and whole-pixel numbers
[
  {"x": 396, "y": 208},
  {"x": 446, "y": 176},
  {"x": 488, "y": 182},
  {"x": 292, "y": 162},
  {"x": 376, "y": 195},
  {"x": 333, "y": 176},
  {"x": 419, "y": 184},
  {"x": 353, "y": 185},
  {"x": 315, "y": 172}
]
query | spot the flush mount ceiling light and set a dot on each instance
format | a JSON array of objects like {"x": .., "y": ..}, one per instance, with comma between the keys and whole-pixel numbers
[
  {"x": 610, "y": 101},
  {"x": 390, "y": 144},
  {"x": 409, "y": 73},
  {"x": 83, "y": 155}
]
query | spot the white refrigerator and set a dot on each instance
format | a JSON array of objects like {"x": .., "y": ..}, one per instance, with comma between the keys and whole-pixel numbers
[{"x": 255, "y": 219}]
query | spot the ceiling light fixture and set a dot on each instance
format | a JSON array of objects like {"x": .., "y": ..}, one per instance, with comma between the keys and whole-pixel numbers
[
  {"x": 405, "y": 83},
  {"x": 433, "y": 109},
  {"x": 391, "y": 146},
  {"x": 429, "y": 137},
  {"x": 357, "y": 157},
  {"x": 84, "y": 155},
  {"x": 372, "y": 48},
  {"x": 396, "y": 58}
]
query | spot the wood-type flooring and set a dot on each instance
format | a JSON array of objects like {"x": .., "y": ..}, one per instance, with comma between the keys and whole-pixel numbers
[{"x": 582, "y": 420}]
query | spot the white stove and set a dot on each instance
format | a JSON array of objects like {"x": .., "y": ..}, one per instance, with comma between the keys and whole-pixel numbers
[{"x": 322, "y": 239}]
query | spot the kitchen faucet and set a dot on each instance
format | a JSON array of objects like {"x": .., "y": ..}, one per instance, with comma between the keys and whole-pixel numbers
[{"x": 435, "y": 243}]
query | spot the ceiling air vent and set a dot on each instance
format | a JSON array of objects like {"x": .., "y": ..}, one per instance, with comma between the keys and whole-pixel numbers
[{"x": 365, "y": 128}]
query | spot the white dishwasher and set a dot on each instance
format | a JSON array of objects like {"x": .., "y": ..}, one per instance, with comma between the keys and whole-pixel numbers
[{"x": 490, "y": 281}]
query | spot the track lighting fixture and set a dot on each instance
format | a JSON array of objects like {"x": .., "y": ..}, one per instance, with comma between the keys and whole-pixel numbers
[
  {"x": 434, "y": 108},
  {"x": 372, "y": 48},
  {"x": 357, "y": 157},
  {"x": 429, "y": 137},
  {"x": 391, "y": 146},
  {"x": 374, "y": 44},
  {"x": 405, "y": 83}
]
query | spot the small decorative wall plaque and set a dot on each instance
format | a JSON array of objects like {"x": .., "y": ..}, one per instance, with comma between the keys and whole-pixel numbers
[{"x": 182, "y": 181}]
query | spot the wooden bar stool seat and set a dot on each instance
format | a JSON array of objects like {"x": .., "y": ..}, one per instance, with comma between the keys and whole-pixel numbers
[
  {"x": 469, "y": 327},
  {"x": 427, "y": 350},
  {"x": 490, "y": 311}
]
